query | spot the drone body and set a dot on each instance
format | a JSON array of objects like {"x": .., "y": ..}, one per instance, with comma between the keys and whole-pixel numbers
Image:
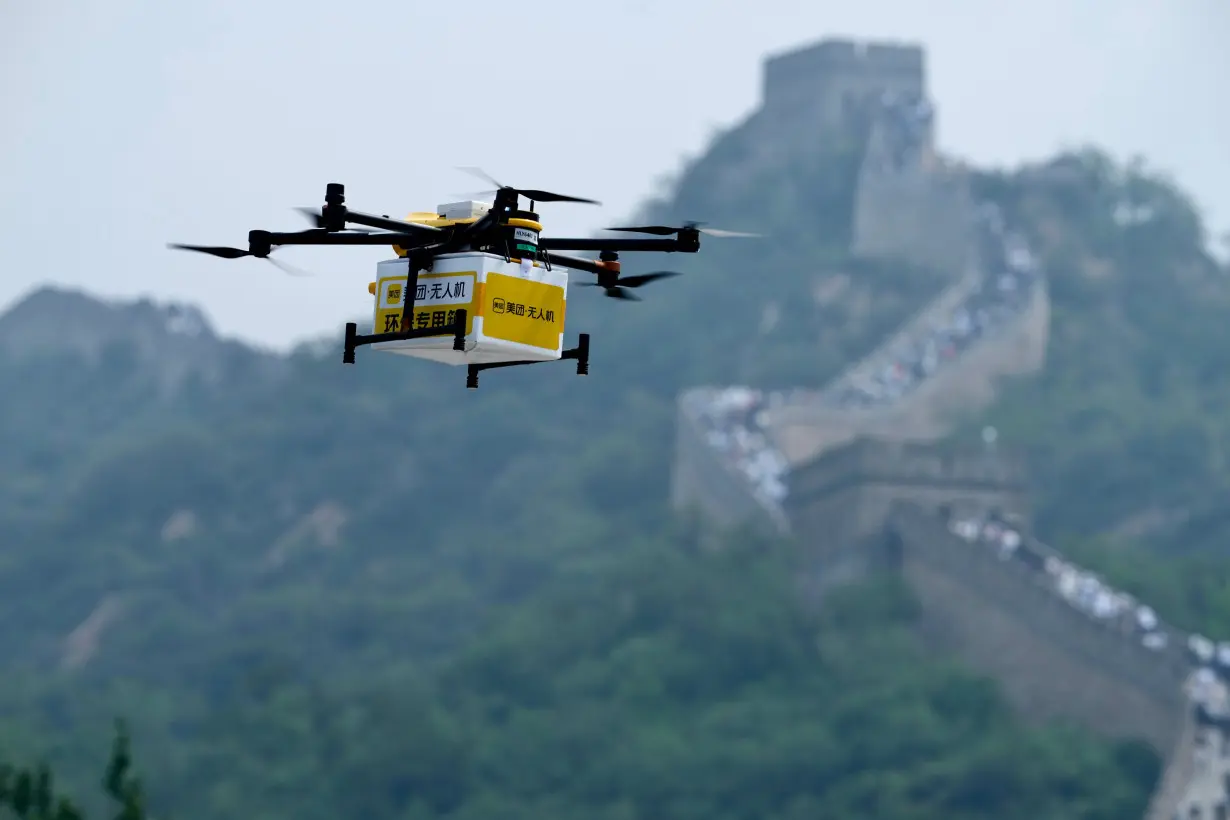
[
  {"x": 473, "y": 283},
  {"x": 509, "y": 306}
]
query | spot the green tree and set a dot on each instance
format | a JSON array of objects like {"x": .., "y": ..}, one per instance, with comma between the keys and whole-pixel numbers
[{"x": 30, "y": 793}]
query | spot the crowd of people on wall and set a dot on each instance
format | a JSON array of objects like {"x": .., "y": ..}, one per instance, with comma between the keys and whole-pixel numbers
[
  {"x": 1207, "y": 795},
  {"x": 1011, "y": 272},
  {"x": 733, "y": 418},
  {"x": 1208, "y": 674},
  {"x": 1084, "y": 591},
  {"x": 732, "y": 421},
  {"x": 905, "y": 121}
]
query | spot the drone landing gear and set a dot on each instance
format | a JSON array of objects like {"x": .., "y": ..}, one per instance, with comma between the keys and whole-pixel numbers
[
  {"x": 356, "y": 340},
  {"x": 580, "y": 353}
]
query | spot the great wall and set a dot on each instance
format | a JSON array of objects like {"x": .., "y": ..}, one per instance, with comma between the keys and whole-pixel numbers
[{"x": 872, "y": 486}]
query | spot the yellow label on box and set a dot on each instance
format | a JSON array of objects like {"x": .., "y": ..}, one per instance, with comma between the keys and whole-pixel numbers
[{"x": 518, "y": 310}]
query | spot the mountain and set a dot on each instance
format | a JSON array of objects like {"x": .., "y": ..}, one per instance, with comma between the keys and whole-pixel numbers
[{"x": 317, "y": 589}]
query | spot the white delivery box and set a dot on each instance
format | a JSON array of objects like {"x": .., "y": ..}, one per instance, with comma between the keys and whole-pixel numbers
[{"x": 515, "y": 311}]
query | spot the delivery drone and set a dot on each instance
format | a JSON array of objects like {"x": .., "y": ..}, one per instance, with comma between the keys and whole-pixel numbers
[{"x": 474, "y": 283}]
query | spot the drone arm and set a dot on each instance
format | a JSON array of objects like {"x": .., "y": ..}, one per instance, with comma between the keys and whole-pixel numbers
[
  {"x": 576, "y": 263},
  {"x": 270, "y": 239},
  {"x": 386, "y": 224},
  {"x": 633, "y": 245}
]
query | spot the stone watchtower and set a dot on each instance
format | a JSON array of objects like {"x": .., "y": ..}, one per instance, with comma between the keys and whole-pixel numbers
[
  {"x": 828, "y": 79},
  {"x": 840, "y": 503},
  {"x": 870, "y": 92}
]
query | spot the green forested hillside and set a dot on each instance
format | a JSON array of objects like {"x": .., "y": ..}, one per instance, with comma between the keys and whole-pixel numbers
[
  {"x": 645, "y": 683},
  {"x": 344, "y": 590}
]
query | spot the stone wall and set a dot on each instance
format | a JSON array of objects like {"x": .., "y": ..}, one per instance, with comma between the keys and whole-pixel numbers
[
  {"x": 1051, "y": 660},
  {"x": 856, "y": 503},
  {"x": 922, "y": 215},
  {"x": 701, "y": 481},
  {"x": 964, "y": 388},
  {"x": 851, "y": 490},
  {"x": 874, "y": 503}
]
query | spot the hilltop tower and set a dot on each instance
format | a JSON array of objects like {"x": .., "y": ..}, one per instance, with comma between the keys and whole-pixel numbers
[
  {"x": 909, "y": 203},
  {"x": 825, "y": 81}
]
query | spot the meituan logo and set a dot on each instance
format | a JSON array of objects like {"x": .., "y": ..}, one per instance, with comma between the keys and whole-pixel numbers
[{"x": 497, "y": 305}]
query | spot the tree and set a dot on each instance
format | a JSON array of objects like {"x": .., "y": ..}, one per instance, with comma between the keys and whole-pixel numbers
[{"x": 30, "y": 793}]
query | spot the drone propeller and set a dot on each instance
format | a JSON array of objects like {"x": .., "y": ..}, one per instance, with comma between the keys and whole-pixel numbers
[
  {"x": 532, "y": 194},
  {"x": 317, "y": 219},
  {"x": 666, "y": 230},
  {"x": 212, "y": 250},
  {"x": 289, "y": 270},
  {"x": 235, "y": 253},
  {"x": 619, "y": 289}
]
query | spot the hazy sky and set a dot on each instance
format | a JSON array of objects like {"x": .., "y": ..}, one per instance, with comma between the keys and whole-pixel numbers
[{"x": 131, "y": 123}]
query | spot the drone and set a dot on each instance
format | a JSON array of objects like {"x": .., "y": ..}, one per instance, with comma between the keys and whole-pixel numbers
[{"x": 475, "y": 283}]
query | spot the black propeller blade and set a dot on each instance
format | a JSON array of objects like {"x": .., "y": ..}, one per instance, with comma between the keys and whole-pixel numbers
[
  {"x": 614, "y": 292},
  {"x": 213, "y": 250},
  {"x": 666, "y": 230},
  {"x": 235, "y": 253},
  {"x": 645, "y": 278},
  {"x": 529, "y": 193},
  {"x": 621, "y": 293},
  {"x": 289, "y": 270},
  {"x": 620, "y": 289}
]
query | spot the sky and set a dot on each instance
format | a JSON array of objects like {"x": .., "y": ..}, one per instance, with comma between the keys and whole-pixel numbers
[{"x": 134, "y": 123}]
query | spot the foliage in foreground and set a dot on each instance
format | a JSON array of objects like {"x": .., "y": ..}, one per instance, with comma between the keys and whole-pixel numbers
[
  {"x": 32, "y": 794},
  {"x": 651, "y": 683}
]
